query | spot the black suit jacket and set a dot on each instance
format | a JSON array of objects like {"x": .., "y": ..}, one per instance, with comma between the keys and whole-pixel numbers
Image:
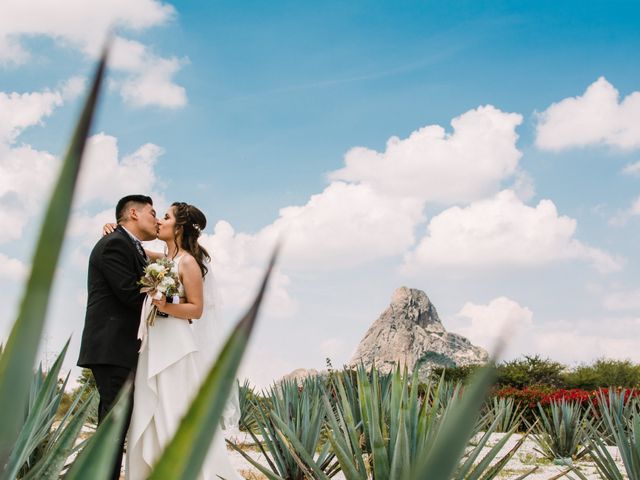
[{"x": 114, "y": 303}]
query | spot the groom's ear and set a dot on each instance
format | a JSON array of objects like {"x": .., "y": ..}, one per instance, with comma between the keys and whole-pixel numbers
[{"x": 133, "y": 214}]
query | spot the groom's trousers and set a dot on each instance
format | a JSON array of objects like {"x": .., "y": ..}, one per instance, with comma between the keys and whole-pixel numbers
[{"x": 109, "y": 380}]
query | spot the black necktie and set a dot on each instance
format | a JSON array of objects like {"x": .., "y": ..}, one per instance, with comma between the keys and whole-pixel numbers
[{"x": 140, "y": 249}]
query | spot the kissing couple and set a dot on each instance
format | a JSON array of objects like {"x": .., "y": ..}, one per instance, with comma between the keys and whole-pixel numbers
[{"x": 173, "y": 358}]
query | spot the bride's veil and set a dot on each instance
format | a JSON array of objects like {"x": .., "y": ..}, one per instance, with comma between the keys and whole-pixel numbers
[{"x": 210, "y": 337}]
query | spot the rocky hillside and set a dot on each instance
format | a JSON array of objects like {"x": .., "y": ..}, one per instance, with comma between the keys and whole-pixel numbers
[{"x": 410, "y": 332}]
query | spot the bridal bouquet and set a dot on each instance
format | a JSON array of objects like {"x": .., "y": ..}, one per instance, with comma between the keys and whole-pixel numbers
[{"x": 159, "y": 279}]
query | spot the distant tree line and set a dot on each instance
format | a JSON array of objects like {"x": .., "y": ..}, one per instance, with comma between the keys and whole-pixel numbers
[{"x": 530, "y": 371}]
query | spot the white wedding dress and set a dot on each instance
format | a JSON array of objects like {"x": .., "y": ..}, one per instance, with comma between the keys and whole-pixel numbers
[{"x": 171, "y": 367}]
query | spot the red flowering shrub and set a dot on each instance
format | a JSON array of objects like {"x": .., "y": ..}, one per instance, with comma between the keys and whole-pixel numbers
[{"x": 529, "y": 397}]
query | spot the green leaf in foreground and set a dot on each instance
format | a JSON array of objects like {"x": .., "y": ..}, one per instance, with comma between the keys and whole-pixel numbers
[
  {"x": 184, "y": 455},
  {"x": 19, "y": 353},
  {"x": 95, "y": 461},
  {"x": 442, "y": 458}
]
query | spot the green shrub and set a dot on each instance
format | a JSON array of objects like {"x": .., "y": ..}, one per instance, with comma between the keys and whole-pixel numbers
[
  {"x": 530, "y": 371},
  {"x": 603, "y": 373}
]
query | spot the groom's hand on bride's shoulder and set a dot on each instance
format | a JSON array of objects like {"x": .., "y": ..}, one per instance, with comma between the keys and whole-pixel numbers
[{"x": 108, "y": 228}]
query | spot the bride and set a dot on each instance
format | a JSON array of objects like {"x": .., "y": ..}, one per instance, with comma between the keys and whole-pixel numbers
[{"x": 174, "y": 355}]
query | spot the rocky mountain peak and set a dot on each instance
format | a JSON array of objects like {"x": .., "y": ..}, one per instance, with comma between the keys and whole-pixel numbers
[
  {"x": 413, "y": 305},
  {"x": 410, "y": 332}
]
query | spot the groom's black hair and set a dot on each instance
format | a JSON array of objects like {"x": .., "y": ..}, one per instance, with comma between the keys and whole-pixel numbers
[{"x": 123, "y": 204}]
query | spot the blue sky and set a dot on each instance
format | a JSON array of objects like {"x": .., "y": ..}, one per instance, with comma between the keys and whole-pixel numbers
[{"x": 522, "y": 214}]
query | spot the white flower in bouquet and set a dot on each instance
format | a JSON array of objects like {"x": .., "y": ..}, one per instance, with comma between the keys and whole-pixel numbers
[{"x": 160, "y": 278}]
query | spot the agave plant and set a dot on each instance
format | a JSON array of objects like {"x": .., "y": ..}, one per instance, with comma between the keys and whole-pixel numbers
[
  {"x": 19, "y": 353},
  {"x": 248, "y": 399},
  {"x": 291, "y": 419},
  {"x": 406, "y": 435},
  {"x": 37, "y": 440},
  {"x": 620, "y": 418},
  {"x": 618, "y": 404},
  {"x": 505, "y": 412},
  {"x": 559, "y": 432},
  {"x": 185, "y": 453}
]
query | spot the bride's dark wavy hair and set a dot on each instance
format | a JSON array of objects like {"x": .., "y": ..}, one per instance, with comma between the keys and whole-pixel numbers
[{"x": 191, "y": 222}]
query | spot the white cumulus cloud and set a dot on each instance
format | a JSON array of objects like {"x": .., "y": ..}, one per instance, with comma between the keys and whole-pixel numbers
[
  {"x": 502, "y": 318},
  {"x": 12, "y": 269},
  {"x": 106, "y": 177},
  {"x": 567, "y": 341},
  {"x": 238, "y": 264},
  {"x": 344, "y": 225},
  {"x": 632, "y": 169},
  {"x": 622, "y": 217},
  {"x": 148, "y": 77},
  {"x": 622, "y": 300},
  {"x": 21, "y": 110},
  {"x": 586, "y": 340},
  {"x": 26, "y": 173},
  {"x": 432, "y": 165},
  {"x": 598, "y": 117},
  {"x": 151, "y": 80},
  {"x": 502, "y": 231}
]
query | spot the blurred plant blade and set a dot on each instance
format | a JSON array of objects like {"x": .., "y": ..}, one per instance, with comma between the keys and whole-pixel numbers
[
  {"x": 95, "y": 461},
  {"x": 20, "y": 351},
  {"x": 442, "y": 458},
  {"x": 184, "y": 455}
]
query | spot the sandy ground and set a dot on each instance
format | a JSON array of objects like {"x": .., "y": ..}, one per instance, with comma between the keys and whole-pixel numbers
[{"x": 525, "y": 460}]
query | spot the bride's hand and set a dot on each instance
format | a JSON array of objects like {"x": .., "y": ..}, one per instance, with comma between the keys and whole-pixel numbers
[
  {"x": 160, "y": 304},
  {"x": 108, "y": 228}
]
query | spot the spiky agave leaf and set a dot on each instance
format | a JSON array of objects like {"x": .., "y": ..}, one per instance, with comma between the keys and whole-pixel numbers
[
  {"x": 441, "y": 460},
  {"x": 51, "y": 465},
  {"x": 20, "y": 351},
  {"x": 95, "y": 461},
  {"x": 41, "y": 414},
  {"x": 623, "y": 425}
]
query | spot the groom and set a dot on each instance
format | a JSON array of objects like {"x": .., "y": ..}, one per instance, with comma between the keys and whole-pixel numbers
[{"x": 109, "y": 344}]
